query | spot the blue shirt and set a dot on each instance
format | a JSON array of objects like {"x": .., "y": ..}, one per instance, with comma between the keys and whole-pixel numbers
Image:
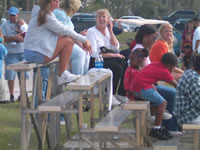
[
  {"x": 187, "y": 106},
  {"x": 61, "y": 15},
  {"x": 9, "y": 29},
  {"x": 3, "y": 52}
]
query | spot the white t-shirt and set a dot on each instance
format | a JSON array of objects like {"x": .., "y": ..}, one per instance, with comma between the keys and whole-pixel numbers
[
  {"x": 196, "y": 37},
  {"x": 97, "y": 40}
]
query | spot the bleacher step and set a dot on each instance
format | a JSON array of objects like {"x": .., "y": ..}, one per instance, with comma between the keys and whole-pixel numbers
[{"x": 171, "y": 144}]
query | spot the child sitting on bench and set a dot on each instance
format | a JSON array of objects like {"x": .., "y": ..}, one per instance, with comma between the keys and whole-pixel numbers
[
  {"x": 136, "y": 63},
  {"x": 143, "y": 87}
]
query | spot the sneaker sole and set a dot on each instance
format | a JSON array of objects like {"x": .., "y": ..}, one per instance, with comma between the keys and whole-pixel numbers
[{"x": 69, "y": 81}]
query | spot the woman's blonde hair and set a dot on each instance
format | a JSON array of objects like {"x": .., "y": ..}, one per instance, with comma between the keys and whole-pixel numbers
[
  {"x": 103, "y": 11},
  {"x": 170, "y": 42},
  {"x": 44, "y": 10},
  {"x": 70, "y": 6}
]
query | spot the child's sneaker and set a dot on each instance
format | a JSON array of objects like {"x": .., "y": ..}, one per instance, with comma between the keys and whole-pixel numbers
[
  {"x": 158, "y": 134},
  {"x": 167, "y": 133},
  {"x": 166, "y": 115},
  {"x": 121, "y": 98},
  {"x": 67, "y": 77},
  {"x": 115, "y": 102}
]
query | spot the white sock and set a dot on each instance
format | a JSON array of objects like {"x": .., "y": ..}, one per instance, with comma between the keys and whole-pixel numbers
[{"x": 156, "y": 127}]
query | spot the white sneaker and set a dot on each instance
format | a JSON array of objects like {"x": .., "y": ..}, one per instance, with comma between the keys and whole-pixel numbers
[
  {"x": 151, "y": 119},
  {"x": 115, "y": 102},
  {"x": 121, "y": 98},
  {"x": 67, "y": 77},
  {"x": 167, "y": 115}
]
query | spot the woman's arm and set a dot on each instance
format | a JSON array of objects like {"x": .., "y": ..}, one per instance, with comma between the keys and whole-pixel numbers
[
  {"x": 91, "y": 37},
  {"x": 58, "y": 28},
  {"x": 178, "y": 70},
  {"x": 107, "y": 55},
  {"x": 113, "y": 39}
]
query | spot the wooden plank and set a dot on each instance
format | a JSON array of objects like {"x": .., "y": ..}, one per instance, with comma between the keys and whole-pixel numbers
[
  {"x": 57, "y": 102},
  {"x": 88, "y": 81},
  {"x": 171, "y": 144},
  {"x": 191, "y": 126},
  {"x": 136, "y": 105},
  {"x": 113, "y": 120},
  {"x": 25, "y": 66}
]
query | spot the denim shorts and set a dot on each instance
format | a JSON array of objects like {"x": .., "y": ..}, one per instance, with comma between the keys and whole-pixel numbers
[
  {"x": 151, "y": 95},
  {"x": 33, "y": 57},
  {"x": 12, "y": 59}
]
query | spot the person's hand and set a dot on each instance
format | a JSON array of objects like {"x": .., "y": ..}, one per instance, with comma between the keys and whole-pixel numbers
[
  {"x": 110, "y": 25},
  {"x": 120, "y": 56},
  {"x": 87, "y": 46},
  {"x": 84, "y": 32},
  {"x": 19, "y": 38}
]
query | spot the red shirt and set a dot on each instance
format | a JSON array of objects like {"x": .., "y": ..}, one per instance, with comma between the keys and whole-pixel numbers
[
  {"x": 129, "y": 76},
  {"x": 152, "y": 73},
  {"x": 128, "y": 79}
]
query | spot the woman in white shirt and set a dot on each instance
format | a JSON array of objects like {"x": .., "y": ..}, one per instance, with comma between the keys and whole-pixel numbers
[{"x": 102, "y": 35}]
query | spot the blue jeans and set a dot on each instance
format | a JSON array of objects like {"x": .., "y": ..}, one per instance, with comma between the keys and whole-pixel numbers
[
  {"x": 12, "y": 59},
  {"x": 169, "y": 95},
  {"x": 79, "y": 60},
  {"x": 33, "y": 57}
]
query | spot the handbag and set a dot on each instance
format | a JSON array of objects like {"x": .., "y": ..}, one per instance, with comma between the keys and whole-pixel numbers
[{"x": 105, "y": 50}]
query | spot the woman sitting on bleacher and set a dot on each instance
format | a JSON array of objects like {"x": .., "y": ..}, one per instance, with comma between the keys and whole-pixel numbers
[
  {"x": 47, "y": 38},
  {"x": 102, "y": 36},
  {"x": 79, "y": 59}
]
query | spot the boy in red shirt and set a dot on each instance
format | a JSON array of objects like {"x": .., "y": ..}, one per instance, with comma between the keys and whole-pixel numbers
[{"x": 143, "y": 87}]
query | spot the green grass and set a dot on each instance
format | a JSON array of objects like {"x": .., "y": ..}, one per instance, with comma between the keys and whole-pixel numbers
[{"x": 10, "y": 126}]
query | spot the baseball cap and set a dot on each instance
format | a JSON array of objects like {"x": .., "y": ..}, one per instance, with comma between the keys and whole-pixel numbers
[{"x": 13, "y": 11}]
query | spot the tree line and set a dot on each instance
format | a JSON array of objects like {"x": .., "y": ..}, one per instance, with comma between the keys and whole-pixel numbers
[{"x": 118, "y": 8}]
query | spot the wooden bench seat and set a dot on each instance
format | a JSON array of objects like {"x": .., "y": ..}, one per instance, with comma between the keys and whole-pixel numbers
[
  {"x": 112, "y": 121},
  {"x": 58, "y": 102},
  {"x": 25, "y": 66},
  {"x": 196, "y": 129}
]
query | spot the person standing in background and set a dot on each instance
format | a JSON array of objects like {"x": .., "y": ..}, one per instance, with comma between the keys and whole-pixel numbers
[
  {"x": 196, "y": 36},
  {"x": 14, "y": 43},
  {"x": 3, "y": 53}
]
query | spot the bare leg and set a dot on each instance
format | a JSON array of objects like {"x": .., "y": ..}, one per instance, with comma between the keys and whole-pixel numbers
[
  {"x": 63, "y": 50},
  {"x": 159, "y": 113},
  {"x": 11, "y": 84}
]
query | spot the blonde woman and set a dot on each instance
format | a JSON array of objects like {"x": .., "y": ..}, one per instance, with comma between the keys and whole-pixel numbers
[
  {"x": 79, "y": 59},
  {"x": 47, "y": 38},
  {"x": 163, "y": 45},
  {"x": 101, "y": 35}
]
